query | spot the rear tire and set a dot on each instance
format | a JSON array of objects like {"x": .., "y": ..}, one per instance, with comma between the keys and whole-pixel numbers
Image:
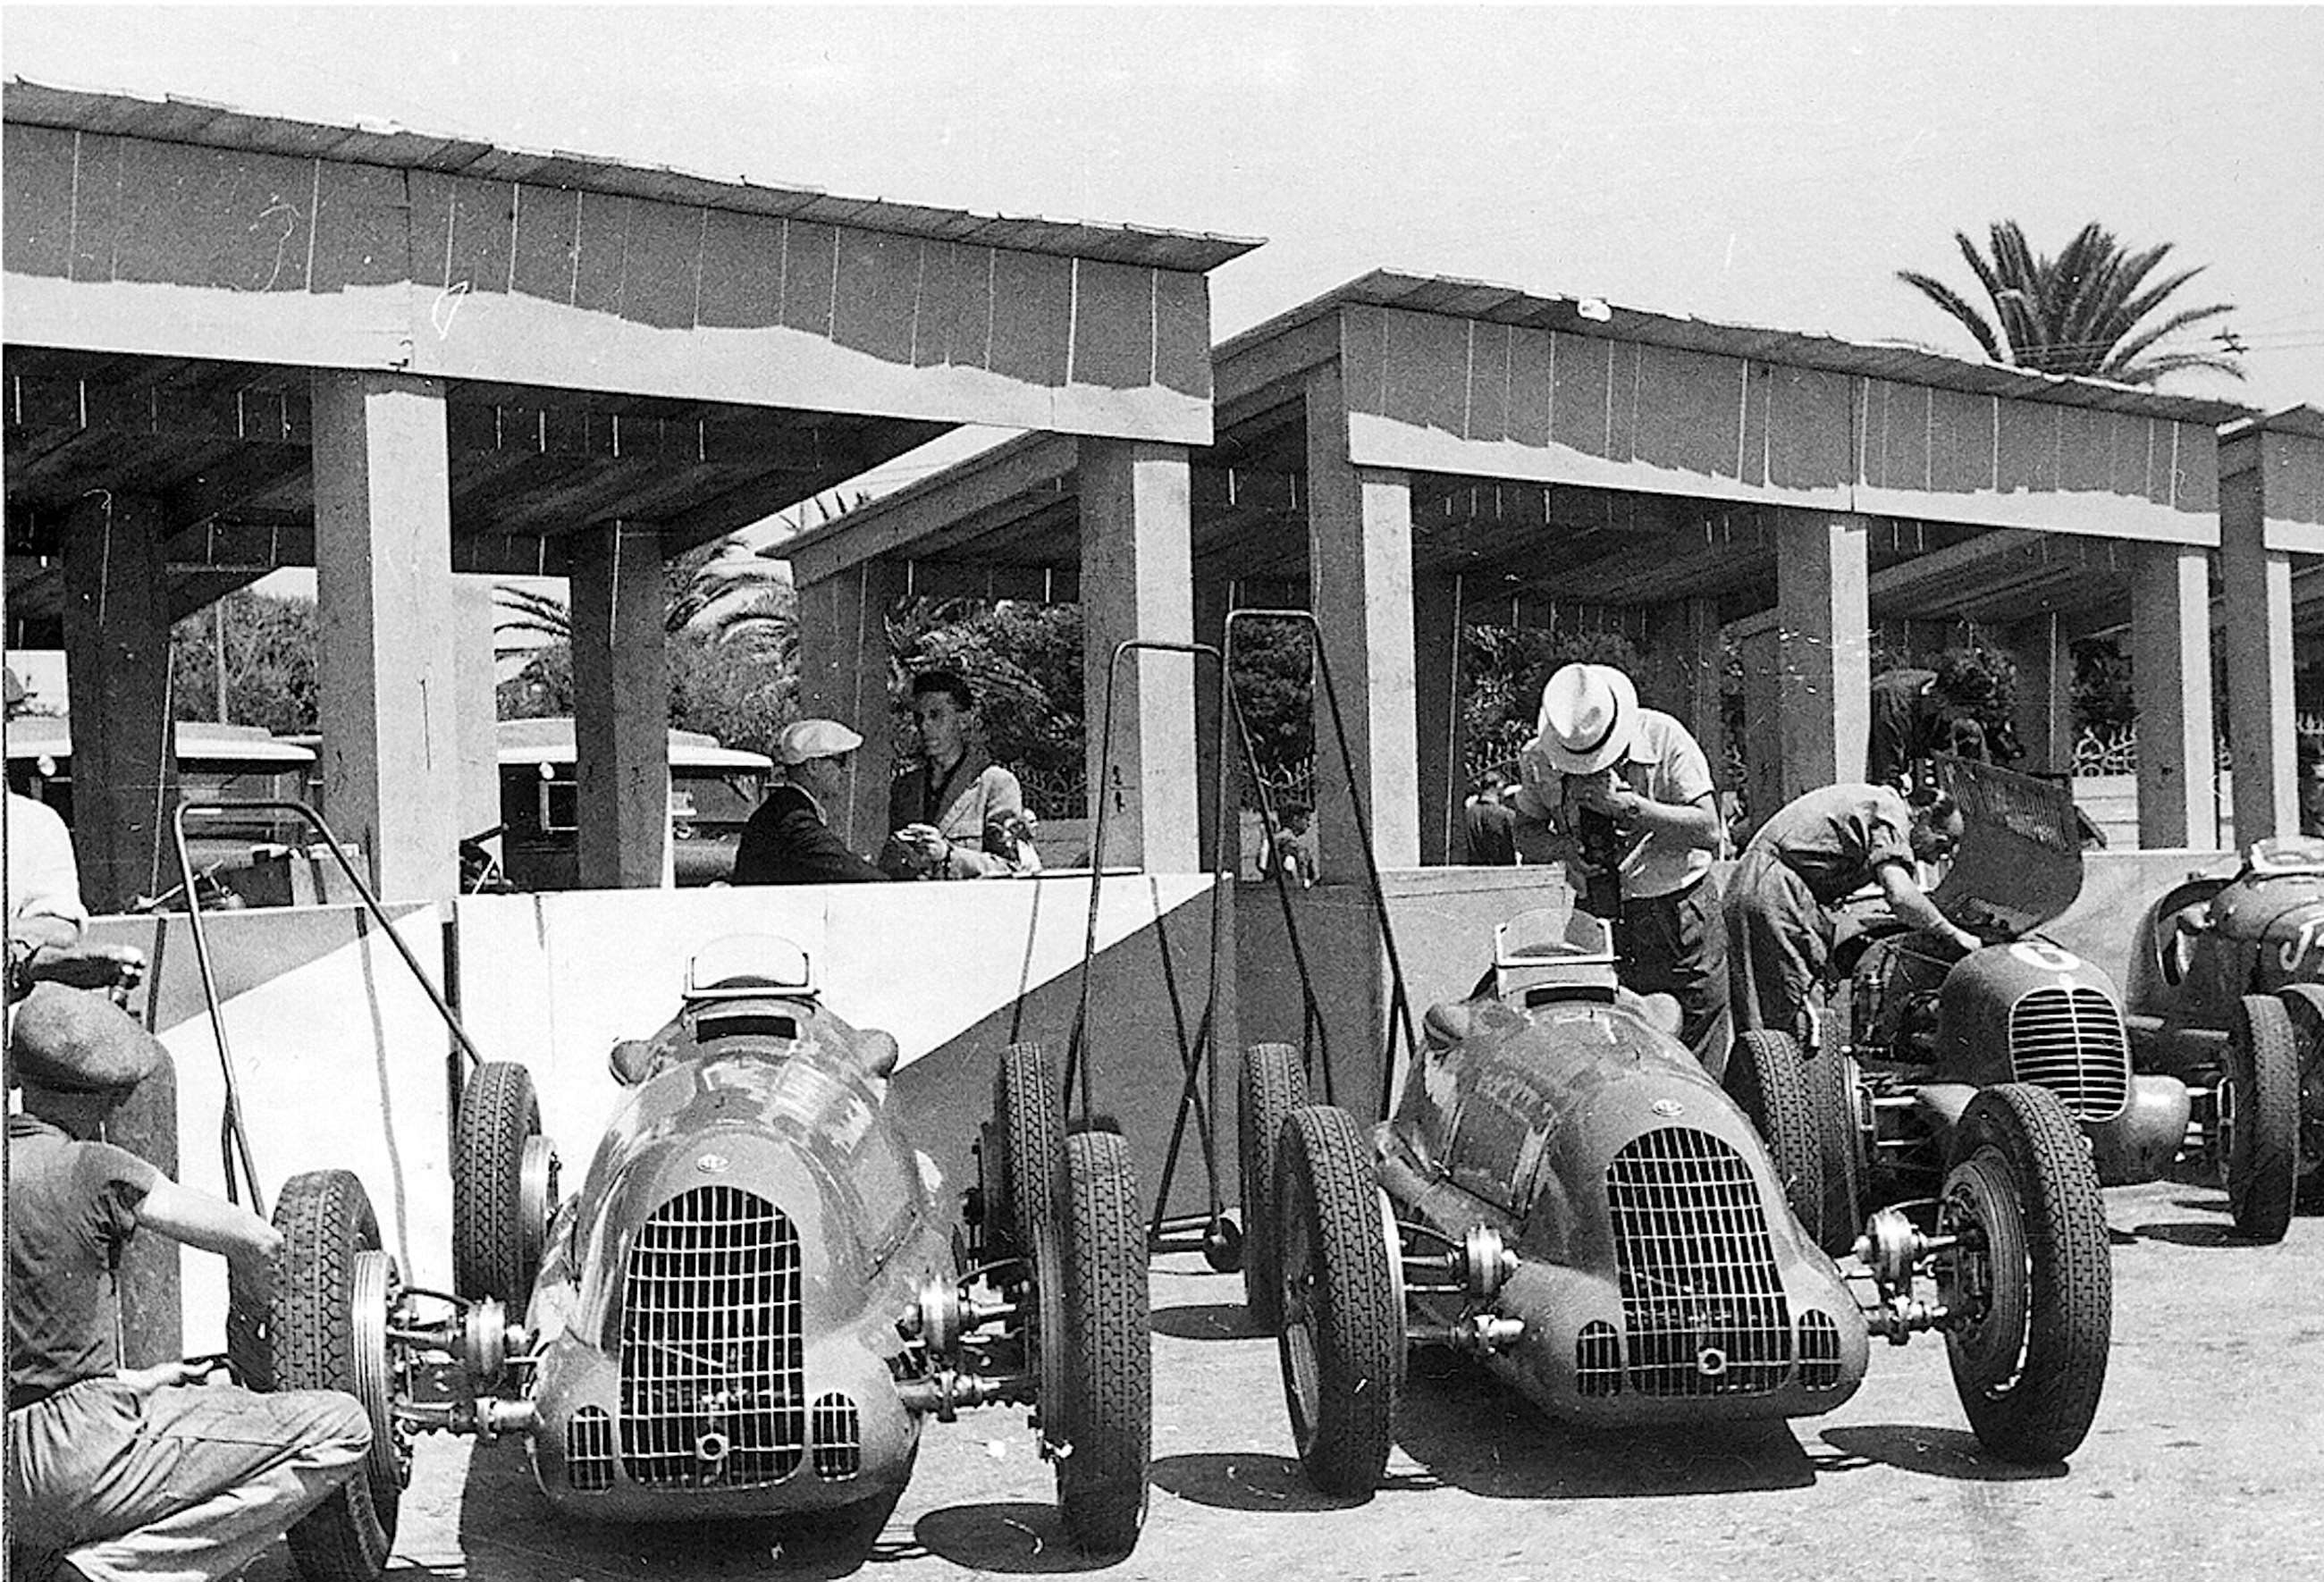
[
  {"x": 2035, "y": 1273},
  {"x": 322, "y": 1333},
  {"x": 1768, "y": 1082},
  {"x": 1029, "y": 1114},
  {"x": 497, "y": 1235},
  {"x": 1272, "y": 1084},
  {"x": 1104, "y": 1425},
  {"x": 2259, "y": 1118},
  {"x": 1342, "y": 1341}
]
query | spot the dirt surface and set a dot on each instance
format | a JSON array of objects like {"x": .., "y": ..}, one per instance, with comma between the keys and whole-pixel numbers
[{"x": 2207, "y": 1460}]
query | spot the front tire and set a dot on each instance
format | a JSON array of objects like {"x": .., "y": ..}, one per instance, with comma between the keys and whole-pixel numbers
[
  {"x": 1768, "y": 1082},
  {"x": 1272, "y": 1084},
  {"x": 2259, "y": 1118},
  {"x": 1029, "y": 1114},
  {"x": 2034, "y": 1277},
  {"x": 1832, "y": 1100},
  {"x": 1102, "y": 1423},
  {"x": 1342, "y": 1341},
  {"x": 503, "y": 1186},
  {"x": 327, "y": 1330}
]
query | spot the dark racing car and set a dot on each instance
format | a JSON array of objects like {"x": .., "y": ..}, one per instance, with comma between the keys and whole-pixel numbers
[
  {"x": 2227, "y": 993},
  {"x": 1921, "y": 1030},
  {"x": 1563, "y": 1193},
  {"x": 755, "y": 1301}
]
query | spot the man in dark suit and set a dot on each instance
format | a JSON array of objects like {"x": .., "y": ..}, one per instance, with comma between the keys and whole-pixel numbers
[{"x": 789, "y": 840}]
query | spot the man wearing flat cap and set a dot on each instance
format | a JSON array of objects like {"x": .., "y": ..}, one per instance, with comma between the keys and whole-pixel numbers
[
  {"x": 1623, "y": 796},
  {"x": 789, "y": 840},
  {"x": 119, "y": 1473}
]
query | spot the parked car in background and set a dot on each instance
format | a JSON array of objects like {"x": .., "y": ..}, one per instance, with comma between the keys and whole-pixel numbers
[
  {"x": 712, "y": 792},
  {"x": 226, "y": 763}
]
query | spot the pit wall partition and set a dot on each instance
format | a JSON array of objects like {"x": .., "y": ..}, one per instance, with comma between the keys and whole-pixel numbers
[{"x": 342, "y": 1061}]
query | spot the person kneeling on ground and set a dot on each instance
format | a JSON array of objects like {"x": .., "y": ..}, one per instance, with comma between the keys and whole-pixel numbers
[
  {"x": 1816, "y": 850},
  {"x": 122, "y": 1472}
]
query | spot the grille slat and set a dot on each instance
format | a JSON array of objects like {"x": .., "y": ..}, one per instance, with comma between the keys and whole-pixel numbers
[
  {"x": 589, "y": 1450},
  {"x": 712, "y": 1349},
  {"x": 2071, "y": 1042},
  {"x": 1701, "y": 1301},
  {"x": 838, "y": 1437}
]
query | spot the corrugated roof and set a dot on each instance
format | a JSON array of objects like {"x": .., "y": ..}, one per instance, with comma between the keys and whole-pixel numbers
[
  {"x": 1795, "y": 348},
  {"x": 170, "y": 119}
]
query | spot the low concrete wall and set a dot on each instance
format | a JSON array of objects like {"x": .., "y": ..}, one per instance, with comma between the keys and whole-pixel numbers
[{"x": 342, "y": 1061}]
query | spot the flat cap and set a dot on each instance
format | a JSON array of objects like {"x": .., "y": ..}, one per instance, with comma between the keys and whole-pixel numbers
[{"x": 802, "y": 740}]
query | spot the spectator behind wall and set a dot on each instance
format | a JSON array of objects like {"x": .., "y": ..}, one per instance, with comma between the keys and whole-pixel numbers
[
  {"x": 1488, "y": 827},
  {"x": 954, "y": 813}
]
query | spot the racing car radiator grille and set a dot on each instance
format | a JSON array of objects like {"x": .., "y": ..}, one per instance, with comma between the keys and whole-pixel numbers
[
  {"x": 838, "y": 1437},
  {"x": 1701, "y": 1300},
  {"x": 712, "y": 1392},
  {"x": 2070, "y": 1041},
  {"x": 589, "y": 1450}
]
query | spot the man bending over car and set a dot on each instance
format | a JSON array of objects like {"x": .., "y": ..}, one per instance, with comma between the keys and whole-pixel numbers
[{"x": 1816, "y": 850}]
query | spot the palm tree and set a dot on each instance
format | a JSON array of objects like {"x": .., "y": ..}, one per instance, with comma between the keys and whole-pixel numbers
[{"x": 2081, "y": 312}]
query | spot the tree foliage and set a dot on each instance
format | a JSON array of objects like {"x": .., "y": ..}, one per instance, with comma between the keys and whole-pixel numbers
[
  {"x": 2083, "y": 312},
  {"x": 269, "y": 663}
]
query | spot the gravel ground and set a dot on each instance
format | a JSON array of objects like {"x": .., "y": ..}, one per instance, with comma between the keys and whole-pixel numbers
[{"x": 2207, "y": 1459}]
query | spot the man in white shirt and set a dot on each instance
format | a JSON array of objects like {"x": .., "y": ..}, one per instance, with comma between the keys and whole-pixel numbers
[{"x": 1623, "y": 796}]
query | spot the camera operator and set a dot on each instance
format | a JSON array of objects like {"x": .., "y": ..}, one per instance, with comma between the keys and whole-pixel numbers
[{"x": 1622, "y": 794}]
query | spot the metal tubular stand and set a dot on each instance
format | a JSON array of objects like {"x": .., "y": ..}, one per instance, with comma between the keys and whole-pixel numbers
[
  {"x": 1400, "y": 1009},
  {"x": 233, "y": 1139},
  {"x": 1198, "y": 1069}
]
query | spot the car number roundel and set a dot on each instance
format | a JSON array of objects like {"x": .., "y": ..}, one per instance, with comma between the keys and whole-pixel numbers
[{"x": 2042, "y": 954}]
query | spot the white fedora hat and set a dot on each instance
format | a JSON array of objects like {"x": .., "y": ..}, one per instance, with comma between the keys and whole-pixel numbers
[{"x": 1589, "y": 716}]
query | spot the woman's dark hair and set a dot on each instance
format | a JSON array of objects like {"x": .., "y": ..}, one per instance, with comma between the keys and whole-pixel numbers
[{"x": 951, "y": 682}]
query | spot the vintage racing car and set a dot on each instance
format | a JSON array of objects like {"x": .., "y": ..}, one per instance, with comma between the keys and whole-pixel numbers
[
  {"x": 1562, "y": 1192},
  {"x": 1922, "y": 1030},
  {"x": 2226, "y": 992},
  {"x": 757, "y": 1297}
]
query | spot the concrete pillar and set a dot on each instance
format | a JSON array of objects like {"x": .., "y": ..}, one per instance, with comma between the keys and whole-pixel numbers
[
  {"x": 2043, "y": 715},
  {"x": 1684, "y": 636},
  {"x": 1138, "y": 582},
  {"x": 844, "y": 663},
  {"x": 125, "y": 767},
  {"x": 475, "y": 703},
  {"x": 1823, "y": 626},
  {"x": 2171, "y": 666},
  {"x": 620, "y": 707},
  {"x": 1213, "y": 598},
  {"x": 383, "y": 605},
  {"x": 1359, "y": 572},
  {"x": 1763, "y": 706},
  {"x": 1443, "y": 775},
  {"x": 2257, "y": 581}
]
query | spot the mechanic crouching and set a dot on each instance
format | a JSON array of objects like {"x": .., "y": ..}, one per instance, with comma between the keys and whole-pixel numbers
[
  {"x": 145, "y": 1473},
  {"x": 1623, "y": 796},
  {"x": 1815, "y": 851}
]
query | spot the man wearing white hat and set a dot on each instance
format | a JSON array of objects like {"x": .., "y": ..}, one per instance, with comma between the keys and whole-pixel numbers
[
  {"x": 789, "y": 840},
  {"x": 1606, "y": 778}
]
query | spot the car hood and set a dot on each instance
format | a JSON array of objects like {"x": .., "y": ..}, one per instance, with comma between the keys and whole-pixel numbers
[{"x": 2019, "y": 862}]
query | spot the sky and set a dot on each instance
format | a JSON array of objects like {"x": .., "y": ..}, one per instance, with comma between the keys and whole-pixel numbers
[{"x": 1763, "y": 166}]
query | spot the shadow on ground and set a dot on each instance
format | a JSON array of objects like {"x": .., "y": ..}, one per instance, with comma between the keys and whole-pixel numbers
[
  {"x": 1215, "y": 1321},
  {"x": 1939, "y": 1452},
  {"x": 510, "y": 1533},
  {"x": 1018, "y": 1539},
  {"x": 1256, "y": 1480},
  {"x": 1468, "y": 1430}
]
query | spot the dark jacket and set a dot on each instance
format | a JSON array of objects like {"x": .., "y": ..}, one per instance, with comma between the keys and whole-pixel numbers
[{"x": 787, "y": 843}]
